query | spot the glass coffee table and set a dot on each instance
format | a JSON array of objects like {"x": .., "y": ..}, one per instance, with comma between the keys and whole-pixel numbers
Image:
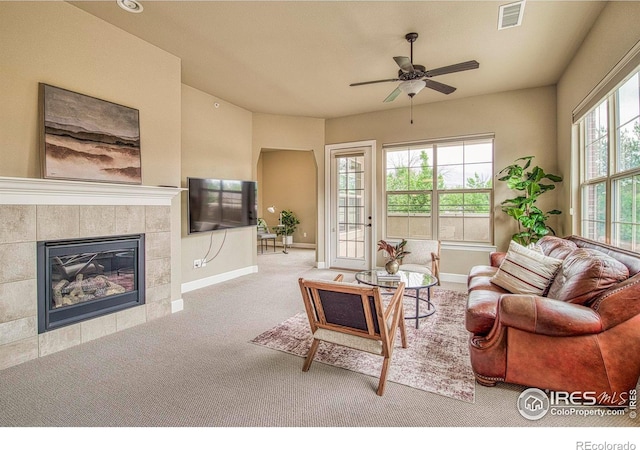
[{"x": 415, "y": 281}]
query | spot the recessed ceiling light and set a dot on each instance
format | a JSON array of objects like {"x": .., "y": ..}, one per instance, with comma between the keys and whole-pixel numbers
[{"x": 132, "y": 6}]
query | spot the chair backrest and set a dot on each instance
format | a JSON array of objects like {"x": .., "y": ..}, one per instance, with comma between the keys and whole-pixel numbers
[
  {"x": 423, "y": 252},
  {"x": 350, "y": 308},
  {"x": 262, "y": 226}
]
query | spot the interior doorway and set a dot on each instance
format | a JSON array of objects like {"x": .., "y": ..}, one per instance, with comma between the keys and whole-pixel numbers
[{"x": 287, "y": 180}]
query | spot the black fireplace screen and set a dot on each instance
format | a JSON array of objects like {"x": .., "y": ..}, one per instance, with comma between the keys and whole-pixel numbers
[{"x": 81, "y": 279}]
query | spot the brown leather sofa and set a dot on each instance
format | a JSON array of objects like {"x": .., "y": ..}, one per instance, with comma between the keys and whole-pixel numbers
[{"x": 583, "y": 336}]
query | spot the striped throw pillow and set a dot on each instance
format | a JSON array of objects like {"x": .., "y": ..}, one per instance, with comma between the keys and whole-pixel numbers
[{"x": 526, "y": 271}]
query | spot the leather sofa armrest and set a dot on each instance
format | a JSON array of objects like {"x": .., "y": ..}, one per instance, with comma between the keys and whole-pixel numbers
[
  {"x": 496, "y": 258},
  {"x": 541, "y": 315}
]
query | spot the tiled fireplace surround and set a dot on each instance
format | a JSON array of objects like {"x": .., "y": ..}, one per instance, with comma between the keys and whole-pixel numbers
[{"x": 34, "y": 210}]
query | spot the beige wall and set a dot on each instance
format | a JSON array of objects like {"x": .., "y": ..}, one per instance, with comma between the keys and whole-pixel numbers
[
  {"x": 288, "y": 181},
  {"x": 216, "y": 143},
  {"x": 615, "y": 32},
  {"x": 523, "y": 122},
  {"x": 58, "y": 44},
  {"x": 294, "y": 133}
]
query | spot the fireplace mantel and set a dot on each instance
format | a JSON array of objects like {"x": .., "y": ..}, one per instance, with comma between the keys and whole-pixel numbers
[
  {"x": 34, "y": 210},
  {"x": 36, "y": 191}
]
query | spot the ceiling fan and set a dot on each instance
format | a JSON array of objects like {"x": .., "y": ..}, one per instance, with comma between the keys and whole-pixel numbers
[{"x": 415, "y": 77}]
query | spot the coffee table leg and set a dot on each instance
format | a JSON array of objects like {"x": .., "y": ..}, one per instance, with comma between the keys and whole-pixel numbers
[
  {"x": 430, "y": 307},
  {"x": 417, "y": 308}
]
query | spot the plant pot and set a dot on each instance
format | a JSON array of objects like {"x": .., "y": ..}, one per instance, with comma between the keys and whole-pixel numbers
[
  {"x": 287, "y": 240},
  {"x": 392, "y": 266}
]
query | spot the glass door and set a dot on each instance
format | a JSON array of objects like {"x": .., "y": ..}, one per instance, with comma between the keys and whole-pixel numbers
[{"x": 351, "y": 212}]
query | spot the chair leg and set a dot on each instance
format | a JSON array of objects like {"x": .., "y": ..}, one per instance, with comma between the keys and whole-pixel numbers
[
  {"x": 383, "y": 376},
  {"x": 310, "y": 355},
  {"x": 403, "y": 330}
]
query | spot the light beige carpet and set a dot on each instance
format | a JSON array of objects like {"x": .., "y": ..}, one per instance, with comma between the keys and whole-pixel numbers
[{"x": 436, "y": 359}]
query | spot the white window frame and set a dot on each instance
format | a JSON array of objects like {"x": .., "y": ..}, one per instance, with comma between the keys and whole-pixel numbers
[
  {"x": 435, "y": 192},
  {"x": 612, "y": 176}
]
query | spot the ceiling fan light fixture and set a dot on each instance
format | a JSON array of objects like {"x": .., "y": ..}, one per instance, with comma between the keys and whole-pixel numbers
[
  {"x": 412, "y": 87},
  {"x": 132, "y": 6}
]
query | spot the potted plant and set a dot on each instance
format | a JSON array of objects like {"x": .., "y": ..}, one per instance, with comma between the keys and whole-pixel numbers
[
  {"x": 394, "y": 253},
  {"x": 531, "y": 220},
  {"x": 289, "y": 223}
]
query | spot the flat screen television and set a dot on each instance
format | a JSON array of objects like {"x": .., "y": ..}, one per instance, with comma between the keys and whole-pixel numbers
[{"x": 216, "y": 204}]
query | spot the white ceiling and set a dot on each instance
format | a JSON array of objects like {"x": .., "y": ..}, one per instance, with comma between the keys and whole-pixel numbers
[{"x": 299, "y": 57}]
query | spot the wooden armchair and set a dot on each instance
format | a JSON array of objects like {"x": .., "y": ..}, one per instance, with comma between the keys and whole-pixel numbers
[{"x": 353, "y": 315}]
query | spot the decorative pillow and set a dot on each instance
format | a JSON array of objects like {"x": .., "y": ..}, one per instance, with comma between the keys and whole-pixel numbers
[
  {"x": 556, "y": 247},
  {"x": 585, "y": 274},
  {"x": 526, "y": 271}
]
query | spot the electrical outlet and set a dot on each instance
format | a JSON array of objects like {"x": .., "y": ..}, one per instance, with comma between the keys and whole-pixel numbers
[
  {"x": 304, "y": 234},
  {"x": 197, "y": 263}
]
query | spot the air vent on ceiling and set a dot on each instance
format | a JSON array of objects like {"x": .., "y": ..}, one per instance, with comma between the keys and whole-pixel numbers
[{"x": 510, "y": 15}]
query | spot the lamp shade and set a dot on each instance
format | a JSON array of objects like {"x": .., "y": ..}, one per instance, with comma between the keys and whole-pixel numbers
[
  {"x": 271, "y": 209},
  {"x": 412, "y": 87}
]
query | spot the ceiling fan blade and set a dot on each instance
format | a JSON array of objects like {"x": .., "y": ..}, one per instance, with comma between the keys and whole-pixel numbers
[
  {"x": 372, "y": 82},
  {"x": 404, "y": 63},
  {"x": 467, "y": 65},
  {"x": 440, "y": 87},
  {"x": 391, "y": 97}
]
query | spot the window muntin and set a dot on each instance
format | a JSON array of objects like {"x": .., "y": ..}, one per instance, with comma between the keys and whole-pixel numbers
[
  {"x": 594, "y": 201},
  {"x": 351, "y": 217},
  {"x": 626, "y": 220},
  {"x": 465, "y": 216},
  {"x": 596, "y": 138},
  {"x": 448, "y": 197}
]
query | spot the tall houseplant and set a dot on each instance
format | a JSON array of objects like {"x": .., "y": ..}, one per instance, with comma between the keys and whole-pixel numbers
[
  {"x": 530, "y": 183},
  {"x": 289, "y": 224}
]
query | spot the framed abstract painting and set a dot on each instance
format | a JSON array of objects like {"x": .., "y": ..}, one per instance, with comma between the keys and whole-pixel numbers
[{"x": 87, "y": 139}]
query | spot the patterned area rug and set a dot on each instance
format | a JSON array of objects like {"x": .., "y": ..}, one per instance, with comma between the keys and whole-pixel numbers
[{"x": 436, "y": 360}]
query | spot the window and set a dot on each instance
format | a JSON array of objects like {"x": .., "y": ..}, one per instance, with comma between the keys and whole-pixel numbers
[
  {"x": 440, "y": 190},
  {"x": 610, "y": 156},
  {"x": 351, "y": 217}
]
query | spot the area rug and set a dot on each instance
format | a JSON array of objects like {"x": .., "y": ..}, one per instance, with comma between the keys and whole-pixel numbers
[{"x": 436, "y": 359}]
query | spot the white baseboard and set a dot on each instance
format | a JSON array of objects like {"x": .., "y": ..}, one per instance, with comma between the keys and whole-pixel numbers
[
  {"x": 177, "y": 305},
  {"x": 215, "y": 279},
  {"x": 453, "y": 278},
  {"x": 296, "y": 245},
  {"x": 303, "y": 245}
]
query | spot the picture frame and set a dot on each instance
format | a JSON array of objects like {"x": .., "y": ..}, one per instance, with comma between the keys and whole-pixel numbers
[{"x": 84, "y": 138}]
